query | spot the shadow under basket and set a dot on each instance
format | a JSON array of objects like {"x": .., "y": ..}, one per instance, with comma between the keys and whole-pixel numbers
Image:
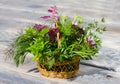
[{"x": 68, "y": 69}]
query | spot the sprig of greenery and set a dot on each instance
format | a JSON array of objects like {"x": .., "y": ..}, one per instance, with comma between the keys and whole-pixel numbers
[{"x": 22, "y": 43}]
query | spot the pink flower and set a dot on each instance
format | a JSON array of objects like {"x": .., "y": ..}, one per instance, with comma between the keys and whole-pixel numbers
[
  {"x": 60, "y": 37},
  {"x": 74, "y": 24},
  {"x": 54, "y": 7},
  {"x": 45, "y": 17},
  {"x": 91, "y": 41},
  {"x": 56, "y": 17},
  {"x": 52, "y": 11}
]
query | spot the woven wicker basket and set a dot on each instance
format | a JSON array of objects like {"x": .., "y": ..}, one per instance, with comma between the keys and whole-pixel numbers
[{"x": 67, "y": 69}]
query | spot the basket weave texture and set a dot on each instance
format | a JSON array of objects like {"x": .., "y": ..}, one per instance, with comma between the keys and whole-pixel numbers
[{"x": 67, "y": 69}]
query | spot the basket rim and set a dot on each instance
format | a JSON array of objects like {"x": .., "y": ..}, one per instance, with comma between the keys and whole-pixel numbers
[
  {"x": 57, "y": 63},
  {"x": 66, "y": 62}
]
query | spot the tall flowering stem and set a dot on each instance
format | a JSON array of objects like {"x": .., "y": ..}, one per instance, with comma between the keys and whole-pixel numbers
[{"x": 58, "y": 35}]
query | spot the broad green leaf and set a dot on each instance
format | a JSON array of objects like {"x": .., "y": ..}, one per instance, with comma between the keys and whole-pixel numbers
[{"x": 44, "y": 31}]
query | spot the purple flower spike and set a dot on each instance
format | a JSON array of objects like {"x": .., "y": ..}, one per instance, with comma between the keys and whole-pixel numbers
[
  {"x": 39, "y": 26},
  {"x": 53, "y": 31},
  {"x": 53, "y": 34},
  {"x": 45, "y": 17}
]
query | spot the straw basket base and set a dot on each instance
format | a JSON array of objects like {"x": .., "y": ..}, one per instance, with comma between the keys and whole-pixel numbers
[{"x": 60, "y": 70}]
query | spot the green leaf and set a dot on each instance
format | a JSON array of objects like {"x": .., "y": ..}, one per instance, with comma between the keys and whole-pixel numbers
[
  {"x": 103, "y": 20},
  {"x": 63, "y": 19},
  {"x": 34, "y": 58},
  {"x": 104, "y": 28},
  {"x": 96, "y": 23},
  {"x": 65, "y": 25},
  {"x": 51, "y": 62},
  {"x": 22, "y": 59},
  {"x": 16, "y": 60},
  {"x": 67, "y": 28},
  {"x": 29, "y": 30},
  {"x": 61, "y": 58},
  {"x": 78, "y": 18},
  {"x": 44, "y": 31}
]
